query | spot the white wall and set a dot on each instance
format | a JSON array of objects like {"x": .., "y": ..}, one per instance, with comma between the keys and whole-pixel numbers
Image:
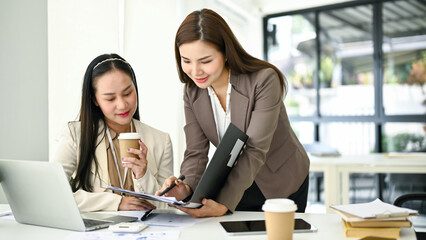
[
  {"x": 78, "y": 31},
  {"x": 149, "y": 46},
  {"x": 23, "y": 80}
]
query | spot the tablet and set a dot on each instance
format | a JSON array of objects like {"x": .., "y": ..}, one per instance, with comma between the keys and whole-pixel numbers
[{"x": 258, "y": 227}]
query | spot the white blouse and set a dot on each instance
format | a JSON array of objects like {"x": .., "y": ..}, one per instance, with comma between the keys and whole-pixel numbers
[{"x": 221, "y": 117}]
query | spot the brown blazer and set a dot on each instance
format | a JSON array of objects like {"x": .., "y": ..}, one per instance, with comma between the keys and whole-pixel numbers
[{"x": 273, "y": 156}]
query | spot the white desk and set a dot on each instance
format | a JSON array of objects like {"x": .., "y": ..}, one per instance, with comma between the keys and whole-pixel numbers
[
  {"x": 329, "y": 227},
  {"x": 337, "y": 169}
]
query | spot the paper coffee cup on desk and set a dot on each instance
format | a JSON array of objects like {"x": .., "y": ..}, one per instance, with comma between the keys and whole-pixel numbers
[
  {"x": 126, "y": 141},
  {"x": 279, "y": 218}
]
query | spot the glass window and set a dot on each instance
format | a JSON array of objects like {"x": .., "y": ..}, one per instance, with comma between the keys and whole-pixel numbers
[
  {"x": 404, "y": 137},
  {"x": 346, "y": 77},
  {"x": 404, "y": 47},
  {"x": 304, "y": 131},
  {"x": 291, "y": 47},
  {"x": 336, "y": 56},
  {"x": 349, "y": 137},
  {"x": 362, "y": 187}
]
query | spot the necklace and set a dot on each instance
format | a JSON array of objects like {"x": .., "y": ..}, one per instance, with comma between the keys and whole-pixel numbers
[{"x": 122, "y": 182}]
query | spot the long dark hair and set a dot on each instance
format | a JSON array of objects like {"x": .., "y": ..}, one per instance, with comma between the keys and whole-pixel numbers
[
  {"x": 91, "y": 115},
  {"x": 207, "y": 25}
]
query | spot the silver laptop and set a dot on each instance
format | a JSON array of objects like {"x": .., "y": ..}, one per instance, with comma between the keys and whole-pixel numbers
[{"x": 39, "y": 194}]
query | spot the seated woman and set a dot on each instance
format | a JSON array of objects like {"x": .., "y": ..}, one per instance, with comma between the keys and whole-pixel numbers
[{"x": 89, "y": 150}]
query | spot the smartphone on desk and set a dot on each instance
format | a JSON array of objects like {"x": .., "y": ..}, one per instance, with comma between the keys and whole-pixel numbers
[{"x": 258, "y": 227}]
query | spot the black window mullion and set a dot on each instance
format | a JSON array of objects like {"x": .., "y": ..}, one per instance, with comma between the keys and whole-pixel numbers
[
  {"x": 317, "y": 136},
  {"x": 378, "y": 73},
  {"x": 265, "y": 38}
]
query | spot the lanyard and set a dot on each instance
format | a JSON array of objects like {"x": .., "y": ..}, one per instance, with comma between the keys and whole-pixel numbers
[{"x": 122, "y": 182}]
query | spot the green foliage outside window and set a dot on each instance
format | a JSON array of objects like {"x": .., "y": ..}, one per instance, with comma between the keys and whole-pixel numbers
[
  {"x": 411, "y": 72},
  {"x": 326, "y": 72},
  {"x": 404, "y": 142}
]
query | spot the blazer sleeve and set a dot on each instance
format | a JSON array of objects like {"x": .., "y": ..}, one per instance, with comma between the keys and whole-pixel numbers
[
  {"x": 67, "y": 149},
  {"x": 67, "y": 155},
  {"x": 261, "y": 127},
  {"x": 197, "y": 143}
]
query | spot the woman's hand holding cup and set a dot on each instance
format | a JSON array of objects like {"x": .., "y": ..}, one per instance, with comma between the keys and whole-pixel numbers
[{"x": 133, "y": 153}]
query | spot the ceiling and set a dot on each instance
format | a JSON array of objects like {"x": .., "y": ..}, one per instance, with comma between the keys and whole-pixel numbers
[
  {"x": 259, "y": 8},
  {"x": 400, "y": 19}
]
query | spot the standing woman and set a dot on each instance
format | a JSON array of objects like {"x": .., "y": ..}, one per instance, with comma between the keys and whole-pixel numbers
[
  {"x": 89, "y": 149},
  {"x": 224, "y": 84}
]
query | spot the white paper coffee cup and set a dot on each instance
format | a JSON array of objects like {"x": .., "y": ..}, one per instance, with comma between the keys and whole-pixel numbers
[
  {"x": 279, "y": 218},
  {"x": 126, "y": 141}
]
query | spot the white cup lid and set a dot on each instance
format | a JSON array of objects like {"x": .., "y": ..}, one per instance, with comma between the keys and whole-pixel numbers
[
  {"x": 129, "y": 136},
  {"x": 279, "y": 205}
]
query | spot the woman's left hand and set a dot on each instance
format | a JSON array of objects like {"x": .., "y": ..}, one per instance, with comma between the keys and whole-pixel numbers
[
  {"x": 138, "y": 166},
  {"x": 210, "y": 208}
]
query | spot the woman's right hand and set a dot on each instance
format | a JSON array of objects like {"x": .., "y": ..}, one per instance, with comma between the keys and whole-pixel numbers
[
  {"x": 180, "y": 191},
  {"x": 134, "y": 204}
]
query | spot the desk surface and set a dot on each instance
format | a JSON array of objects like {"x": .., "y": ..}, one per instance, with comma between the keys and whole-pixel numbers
[
  {"x": 337, "y": 170},
  {"x": 329, "y": 227},
  {"x": 374, "y": 159}
]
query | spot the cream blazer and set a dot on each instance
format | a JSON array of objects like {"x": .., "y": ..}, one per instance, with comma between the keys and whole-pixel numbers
[
  {"x": 160, "y": 166},
  {"x": 273, "y": 156}
]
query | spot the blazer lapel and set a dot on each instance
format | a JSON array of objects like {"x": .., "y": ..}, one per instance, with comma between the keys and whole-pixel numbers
[
  {"x": 101, "y": 155},
  {"x": 204, "y": 112},
  {"x": 239, "y": 105},
  {"x": 152, "y": 164}
]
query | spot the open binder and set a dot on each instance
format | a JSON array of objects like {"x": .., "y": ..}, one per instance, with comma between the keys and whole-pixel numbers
[{"x": 215, "y": 175}]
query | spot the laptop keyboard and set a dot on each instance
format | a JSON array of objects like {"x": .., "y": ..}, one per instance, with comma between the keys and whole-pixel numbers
[{"x": 92, "y": 222}]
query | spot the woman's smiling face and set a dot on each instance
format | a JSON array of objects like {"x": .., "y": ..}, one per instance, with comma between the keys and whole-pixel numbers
[
  {"x": 116, "y": 97},
  {"x": 203, "y": 63}
]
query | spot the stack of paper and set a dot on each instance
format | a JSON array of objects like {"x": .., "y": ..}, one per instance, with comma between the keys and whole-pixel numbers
[{"x": 375, "y": 219}]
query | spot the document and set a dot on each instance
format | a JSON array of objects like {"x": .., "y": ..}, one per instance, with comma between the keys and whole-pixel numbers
[
  {"x": 375, "y": 209},
  {"x": 163, "y": 218},
  {"x": 164, "y": 235},
  {"x": 174, "y": 220},
  {"x": 168, "y": 200},
  {"x": 354, "y": 221}
]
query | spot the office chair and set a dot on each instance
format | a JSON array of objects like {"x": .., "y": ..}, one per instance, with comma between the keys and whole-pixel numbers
[
  {"x": 415, "y": 201},
  {"x": 402, "y": 183}
]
